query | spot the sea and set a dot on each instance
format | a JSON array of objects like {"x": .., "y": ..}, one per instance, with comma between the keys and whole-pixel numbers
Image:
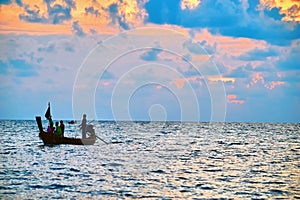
[{"x": 153, "y": 160}]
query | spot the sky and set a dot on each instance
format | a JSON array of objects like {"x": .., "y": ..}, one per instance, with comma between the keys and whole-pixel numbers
[{"x": 182, "y": 60}]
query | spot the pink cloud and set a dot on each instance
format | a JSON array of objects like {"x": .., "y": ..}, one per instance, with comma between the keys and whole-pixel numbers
[
  {"x": 229, "y": 45},
  {"x": 180, "y": 82},
  {"x": 258, "y": 78},
  {"x": 232, "y": 99},
  {"x": 158, "y": 87},
  {"x": 273, "y": 84},
  {"x": 105, "y": 83}
]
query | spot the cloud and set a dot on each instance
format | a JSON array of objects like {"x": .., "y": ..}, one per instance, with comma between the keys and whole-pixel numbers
[
  {"x": 50, "y": 48},
  {"x": 18, "y": 68},
  {"x": 189, "y": 4},
  {"x": 259, "y": 79},
  {"x": 187, "y": 57},
  {"x": 288, "y": 9},
  {"x": 124, "y": 14},
  {"x": 52, "y": 14},
  {"x": 239, "y": 72},
  {"x": 290, "y": 62},
  {"x": 151, "y": 54},
  {"x": 229, "y": 18},
  {"x": 59, "y": 13},
  {"x": 232, "y": 99},
  {"x": 77, "y": 29},
  {"x": 290, "y": 77},
  {"x": 91, "y": 10},
  {"x": 117, "y": 18},
  {"x": 256, "y": 79},
  {"x": 68, "y": 46},
  {"x": 258, "y": 54},
  {"x": 207, "y": 14},
  {"x": 222, "y": 79},
  {"x": 194, "y": 80},
  {"x": 273, "y": 84},
  {"x": 32, "y": 15},
  {"x": 53, "y": 46},
  {"x": 264, "y": 67},
  {"x": 195, "y": 47},
  {"x": 107, "y": 75},
  {"x": 35, "y": 17}
]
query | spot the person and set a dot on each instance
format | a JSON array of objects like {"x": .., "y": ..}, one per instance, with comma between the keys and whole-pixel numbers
[
  {"x": 90, "y": 129},
  {"x": 58, "y": 129},
  {"x": 62, "y": 127},
  {"x": 50, "y": 128},
  {"x": 83, "y": 126}
]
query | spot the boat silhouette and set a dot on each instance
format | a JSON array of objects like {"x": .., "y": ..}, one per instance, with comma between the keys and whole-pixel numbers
[{"x": 54, "y": 139}]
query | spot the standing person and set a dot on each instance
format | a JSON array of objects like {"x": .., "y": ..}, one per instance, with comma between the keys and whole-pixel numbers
[
  {"x": 62, "y": 127},
  {"x": 83, "y": 126}
]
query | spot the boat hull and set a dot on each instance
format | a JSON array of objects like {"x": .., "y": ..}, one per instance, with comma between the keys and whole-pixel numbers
[{"x": 53, "y": 139}]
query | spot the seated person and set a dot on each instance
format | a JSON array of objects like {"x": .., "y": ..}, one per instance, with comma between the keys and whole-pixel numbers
[
  {"x": 58, "y": 130},
  {"x": 91, "y": 130},
  {"x": 49, "y": 129}
]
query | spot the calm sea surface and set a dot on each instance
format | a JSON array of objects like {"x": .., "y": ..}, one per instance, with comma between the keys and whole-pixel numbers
[{"x": 153, "y": 160}]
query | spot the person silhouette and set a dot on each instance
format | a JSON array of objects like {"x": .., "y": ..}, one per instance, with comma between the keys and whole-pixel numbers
[
  {"x": 83, "y": 126},
  {"x": 62, "y": 127}
]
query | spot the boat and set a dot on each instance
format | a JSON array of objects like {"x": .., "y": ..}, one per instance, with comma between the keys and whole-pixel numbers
[
  {"x": 72, "y": 122},
  {"x": 54, "y": 139}
]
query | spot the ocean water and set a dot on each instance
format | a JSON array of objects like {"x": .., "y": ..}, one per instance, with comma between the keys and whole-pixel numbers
[{"x": 153, "y": 160}]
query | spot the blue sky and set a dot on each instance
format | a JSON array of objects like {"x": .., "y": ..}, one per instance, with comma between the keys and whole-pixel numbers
[{"x": 186, "y": 60}]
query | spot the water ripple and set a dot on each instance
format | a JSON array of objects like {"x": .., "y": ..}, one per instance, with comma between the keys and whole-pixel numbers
[{"x": 154, "y": 160}]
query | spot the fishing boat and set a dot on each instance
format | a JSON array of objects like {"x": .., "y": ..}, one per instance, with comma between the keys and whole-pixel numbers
[{"x": 54, "y": 139}]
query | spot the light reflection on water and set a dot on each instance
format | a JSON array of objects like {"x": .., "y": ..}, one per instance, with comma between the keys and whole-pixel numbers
[{"x": 154, "y": 160}]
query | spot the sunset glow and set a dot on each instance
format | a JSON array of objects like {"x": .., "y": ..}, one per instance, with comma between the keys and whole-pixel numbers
[{"x": 243, "y": 52}]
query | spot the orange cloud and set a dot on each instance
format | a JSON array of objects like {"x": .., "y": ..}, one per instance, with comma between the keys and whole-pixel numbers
[
  {"x": 10, "y": 21},
  {"x": 232, "y": 99},
  {"x": 180, "y": 82},
  {"x": 90, "y": 14},
  {"x": 231, "y": 96},
  {"x": 189, "y": 4},
  {"x": 289, "y": 8},
  {"x": 220, "y": 78}
]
